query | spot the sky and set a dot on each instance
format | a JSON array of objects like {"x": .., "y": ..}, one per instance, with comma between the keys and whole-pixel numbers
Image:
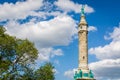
[{"x": 53, "y": 25}]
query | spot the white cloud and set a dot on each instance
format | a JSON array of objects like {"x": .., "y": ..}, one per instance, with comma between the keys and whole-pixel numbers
[
  {"x": 46, "y": 53},
  {"x": 108, "y": 69},
  {"x": 111, "y": 50},
  {"x": 115, "y": 35},
  {"x": 19, "y": 10},
  {"x": 92, "y": 28},
  {"x": 46, "y": 10},
  {"x": 68, "y": 5},
  {"x": 70, "y": 73},
  {"x": 45, "y": 34},
  {"x": 57, "y": 31},
  {"x": 46, "y": 14}
]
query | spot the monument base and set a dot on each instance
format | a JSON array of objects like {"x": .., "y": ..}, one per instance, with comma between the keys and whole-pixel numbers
[
  {"x": 86, "y": 79},
  {"x": 83, "y": 75}
]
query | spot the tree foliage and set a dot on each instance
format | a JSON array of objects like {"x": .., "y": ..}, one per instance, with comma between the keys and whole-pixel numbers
[
  {"x": 16, "y": 55},
  {"x": 45, "y": 72}
]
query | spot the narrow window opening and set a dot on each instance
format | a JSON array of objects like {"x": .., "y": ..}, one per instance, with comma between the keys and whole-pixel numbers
[
  {"x": 83, "y": 57},
  {"x": 81, "y": 27}
]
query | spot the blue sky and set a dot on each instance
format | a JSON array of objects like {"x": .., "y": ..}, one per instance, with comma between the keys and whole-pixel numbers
[{"x": 52, "y": 26}]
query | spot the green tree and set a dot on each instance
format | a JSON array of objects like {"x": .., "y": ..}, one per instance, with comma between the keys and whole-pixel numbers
[
  {"x": 45, "y": 72},
  {"x": 14, "y": 55},
  {"x": 29, "y": 74}
]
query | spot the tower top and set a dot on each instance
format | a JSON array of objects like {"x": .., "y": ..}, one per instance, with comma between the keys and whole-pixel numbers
[{"x": 83, "y": 20}]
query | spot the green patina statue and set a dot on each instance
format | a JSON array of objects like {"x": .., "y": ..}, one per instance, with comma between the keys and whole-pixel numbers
[
  {"x": 78, "y": 75},
  {"x": 91, "y": 74},
  {"x": 82, "y": 10}
]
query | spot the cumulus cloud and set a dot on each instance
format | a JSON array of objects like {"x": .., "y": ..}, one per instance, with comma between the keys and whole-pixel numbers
[
  {"x": 92, "y": 28},
  {"x": 38, "y": 8},
  {"x": 70, "y": 73},
  {"x": 19, "y": 10},
  {"x": 111, "y": 50},
  {"x": 46, "y": 53},
  {"x": 108, "y": 69},
  {"x": 57, "y": 31},
  {"x": 115, "y": 35},
  {"x": 45, "y": 34},
  {"x": 68, "y": 5}
]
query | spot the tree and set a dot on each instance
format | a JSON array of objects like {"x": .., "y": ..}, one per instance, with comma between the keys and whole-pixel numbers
[
  {"x": 29, "y": 74},
  {"x": 14, "y": 55},
  {"x": 45, "y": 72}
]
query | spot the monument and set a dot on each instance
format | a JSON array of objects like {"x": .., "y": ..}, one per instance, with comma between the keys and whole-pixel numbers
[{"x": 83, "y": 72}]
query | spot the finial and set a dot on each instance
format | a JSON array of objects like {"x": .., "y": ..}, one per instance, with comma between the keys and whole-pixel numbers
[{"x": 82, "y": 10}]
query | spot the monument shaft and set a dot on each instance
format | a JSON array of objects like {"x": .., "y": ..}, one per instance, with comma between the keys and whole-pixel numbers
[{"x": 83, "y": 48}]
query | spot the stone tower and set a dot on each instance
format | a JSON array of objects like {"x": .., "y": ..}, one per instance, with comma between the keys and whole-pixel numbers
[
  {"x": 83, "y": 50},
  {"x": 83, "y": 72}
]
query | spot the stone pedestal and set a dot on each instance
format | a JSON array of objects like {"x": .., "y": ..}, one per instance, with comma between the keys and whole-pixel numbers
[
  {"x": 81, "y": 75},
  {"x": 86, "y": 79}
]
